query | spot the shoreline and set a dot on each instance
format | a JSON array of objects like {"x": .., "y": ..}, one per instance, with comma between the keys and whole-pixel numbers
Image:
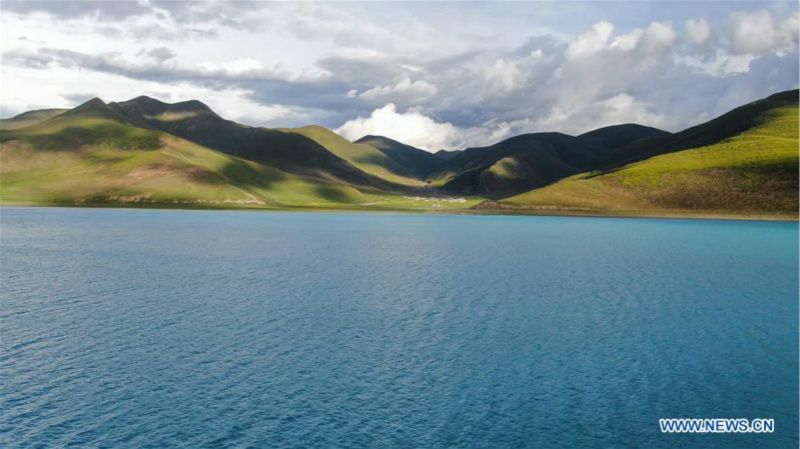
[{"x": 673, "y": 215}]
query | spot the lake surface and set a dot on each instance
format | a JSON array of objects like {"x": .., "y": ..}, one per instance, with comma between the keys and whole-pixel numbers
[{"x": 155, "y": 328}]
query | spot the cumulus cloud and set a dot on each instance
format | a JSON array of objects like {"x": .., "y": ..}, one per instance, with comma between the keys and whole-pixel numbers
[
  {"x": 416, "y": 129},
  {"x": 592, "y": 41},
  {"x": 358, "y": 67},
  {"x": 621, "y": 108},
  {"x": 405, "y": 90},
  {"x": 758, "y": 32},
  {"x": 504, "y": 76},
  {"x": 659, "y": 36},
  {"x": 628, "y": 42},
  {"x": 699, "y": 31},
  {"x": 411, "y": 127}
]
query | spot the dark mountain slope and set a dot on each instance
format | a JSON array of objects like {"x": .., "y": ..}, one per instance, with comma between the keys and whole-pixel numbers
[
  {"x": 291, "y": 152},
  {"x": 419, "y": 162},
  {"x": 618, "y": 136},
  {"x": 744, "y": 162},
  {"x": 534, "y": 160},
  {"x": 94, "y": 154},
  {"x": 447, "y": 155},
  {"x": 516, "y": 164},
  {"x": 723, "y": 127},
  {"x": 365, "y": 157}
]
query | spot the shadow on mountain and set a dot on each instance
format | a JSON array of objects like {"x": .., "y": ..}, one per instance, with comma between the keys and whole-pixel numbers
[
  {"x": 244, "y": 174},
  {"x": 332, "y": 193},
  {"x": 393, "y": 168},
  {"x": 76, "y": 137}
]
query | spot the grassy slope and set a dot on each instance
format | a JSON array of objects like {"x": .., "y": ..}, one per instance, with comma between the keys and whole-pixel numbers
[
  {"x": 288, "y": 152},
  {"x": 416, "y": 161},
  {"x": 29, "y": 118},
  {"x": 529, "y": 161},
  {"x": 509, "y": 167},
  {"x": 365, "y": 157},
  {"x": 91, "y": 158},
  {"x": 752, "y": 172}
]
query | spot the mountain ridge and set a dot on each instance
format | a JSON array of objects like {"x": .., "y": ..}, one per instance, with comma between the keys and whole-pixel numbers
[
  {"x": 291, "y": 152},
  {"x": 417, "y": 161},
  {"x": 150, "y": 139},
  {"x": 744, "y": 161}
]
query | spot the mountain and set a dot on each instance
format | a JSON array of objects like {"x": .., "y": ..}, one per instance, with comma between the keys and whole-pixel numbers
[
  {"x": 728, "y": 125},
  {"x": 29, "y": 118},
  {"x": 743, "y": 162},
  {"x": 94, "y": 154},
  {"x": 147, "y": 151},
  {"x": 288, "y": 151},
  {"x": 365, "y": 157},
  {"x": 447, "y": 155},
  {"x": 618, "y": 136},
  {"x": 534, "y": 160},
  {"x": 418, "y": 162}
]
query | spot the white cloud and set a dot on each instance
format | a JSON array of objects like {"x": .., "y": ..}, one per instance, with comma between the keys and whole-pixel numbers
[
  {"x": 405, "y": 89},
  {"x": 752, "y": 32},
  {"x": 494, "y": 71},
  {"x": 659, "y": 36},
  {"x": 419, "y": 130},
  {"x": 758, "y": 32},
  {"x": 699, "y": 31},
  {"x": 503, "y": 77},
  {"x": 591, "y": 41},
  {"x": 719, "y": 64},
  {"x": 412, "y": 128},
  {"x": 615, "y": 110},
  {"x": 624, "y": 108},
  {"x": 628, "y": 42},
  {"x": 34, "y": 89}
]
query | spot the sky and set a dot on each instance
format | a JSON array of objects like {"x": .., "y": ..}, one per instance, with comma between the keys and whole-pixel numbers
[{"x": 436, "y": 75}]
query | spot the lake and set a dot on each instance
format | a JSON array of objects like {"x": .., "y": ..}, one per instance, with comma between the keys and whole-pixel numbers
[{"x": 155, "y": 328}]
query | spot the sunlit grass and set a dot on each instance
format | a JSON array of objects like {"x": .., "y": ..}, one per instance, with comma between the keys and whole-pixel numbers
[
  {"x": 96, "y": 160},
  {"x": 753, "y": 171},
  {"x": 368, "y": 158}
]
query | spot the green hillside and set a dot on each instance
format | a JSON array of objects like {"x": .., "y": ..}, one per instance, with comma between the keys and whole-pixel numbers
[
  {"x": 530, "y": 161},
  {"x": 754, "y": 171},
  {"x": 145, "y": 151},
  {"x": 418, "y": 162},
  {"x": 289, "y": 152},
  {"x": 365, "y": 157},
  {"x": 29, "y": 118},
  {"x": 91, "y": 155}
]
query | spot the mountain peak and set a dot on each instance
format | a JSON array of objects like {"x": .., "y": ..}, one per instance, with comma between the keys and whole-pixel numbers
[
  {"x": 144, "y": 99},
  {"x": 147, "y": 107},
  {"x": 373, "y": 137},
  {"x": 625, "y": 127},
  {"x": 788, "y": 95},
  {"x": 190, "y": 106},
  {"x": 378, "y": 141},
  {"x": 98, "y": 108},
  {"x": 446, "y": 155},
  {"x": 95, "y": 104}
]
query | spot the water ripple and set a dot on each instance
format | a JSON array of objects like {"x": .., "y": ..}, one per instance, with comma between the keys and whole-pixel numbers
[{"x": 144, "y": 328}]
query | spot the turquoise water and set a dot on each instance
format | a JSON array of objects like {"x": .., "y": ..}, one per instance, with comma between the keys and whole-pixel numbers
[{"x": 155, "y": 328}]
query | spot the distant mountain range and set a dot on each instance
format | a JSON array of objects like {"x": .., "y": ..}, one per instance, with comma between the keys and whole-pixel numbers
[{"x": 144, "y": 151}]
